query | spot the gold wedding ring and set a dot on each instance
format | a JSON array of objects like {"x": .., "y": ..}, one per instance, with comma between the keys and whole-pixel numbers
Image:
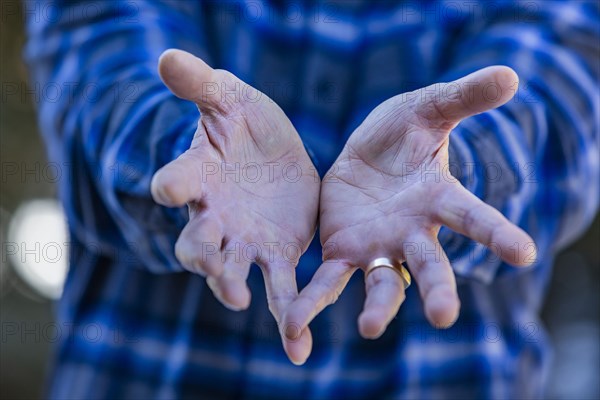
[{"x": 382, "y": 262}]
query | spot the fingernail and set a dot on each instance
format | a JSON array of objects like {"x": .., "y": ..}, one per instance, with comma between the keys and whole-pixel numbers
[{"x": 292, "y": 332}]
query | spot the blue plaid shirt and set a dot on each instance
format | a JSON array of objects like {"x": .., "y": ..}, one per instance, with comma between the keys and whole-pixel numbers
[{"x": 141, "y": 327}]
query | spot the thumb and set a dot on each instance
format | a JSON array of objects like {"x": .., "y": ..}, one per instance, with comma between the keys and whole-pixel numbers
[
  {"x": 184, "y": 74},
  {"x": 446, "y": 104},
  {"x": 190, "y": 78}
]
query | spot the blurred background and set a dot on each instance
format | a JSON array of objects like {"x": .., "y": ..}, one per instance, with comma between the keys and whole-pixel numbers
[{"x": 31, "y": 279}]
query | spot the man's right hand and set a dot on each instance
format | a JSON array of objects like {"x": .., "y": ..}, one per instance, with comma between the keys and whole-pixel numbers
[{"x": 251, "y": 188}]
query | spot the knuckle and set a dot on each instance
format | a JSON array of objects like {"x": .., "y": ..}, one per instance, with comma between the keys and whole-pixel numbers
[
  {"x": 383, "y": 277},
  {"x": 470, "y": 218},
  {"x": 418, "y": 264},
  {"x": 331, "y": 290}
]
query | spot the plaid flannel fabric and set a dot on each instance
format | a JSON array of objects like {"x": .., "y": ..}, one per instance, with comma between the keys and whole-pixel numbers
[{"x": 157, "y": 331}]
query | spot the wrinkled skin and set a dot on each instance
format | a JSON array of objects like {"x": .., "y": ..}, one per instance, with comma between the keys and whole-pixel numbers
[
  {"x": 388, "y": 194},
  {"x": 265, "y": 213}
]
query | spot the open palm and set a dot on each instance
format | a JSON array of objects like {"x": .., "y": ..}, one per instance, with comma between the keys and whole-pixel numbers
[
  {"x": 388, "y": 194},
  {"x": 249, "y": 184}
]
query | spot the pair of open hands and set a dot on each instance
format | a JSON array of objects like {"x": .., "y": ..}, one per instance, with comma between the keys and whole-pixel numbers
[{"x": 254, "y": 197}]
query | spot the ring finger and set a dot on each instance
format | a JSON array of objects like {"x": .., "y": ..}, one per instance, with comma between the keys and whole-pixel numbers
[{"x": 385, "y": 293}]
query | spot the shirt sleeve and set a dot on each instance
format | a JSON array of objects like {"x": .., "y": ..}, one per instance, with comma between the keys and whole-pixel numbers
[
  {"x": 106, "y": 115},
  {"x": 536, "y": 158}
]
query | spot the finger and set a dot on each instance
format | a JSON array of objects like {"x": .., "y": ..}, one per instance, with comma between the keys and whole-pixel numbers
[
  {"x": 446, "y": 104},
  {"x": 464, "y": 213},
  {"x": 280, "y": 284},
  {"x": 230, "y": 288},
  {"x": 431, "y": 269},
  {"x": 299, "y": 348},
  {"x": 199, "y": 245},
  {"x": 184, "y": 74},
  {"x": 385, "y": 293},
  {"x": 324, "y": 289},
  {"x": 213, "y": 90},
  {"x": 180, "y": 181}
]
